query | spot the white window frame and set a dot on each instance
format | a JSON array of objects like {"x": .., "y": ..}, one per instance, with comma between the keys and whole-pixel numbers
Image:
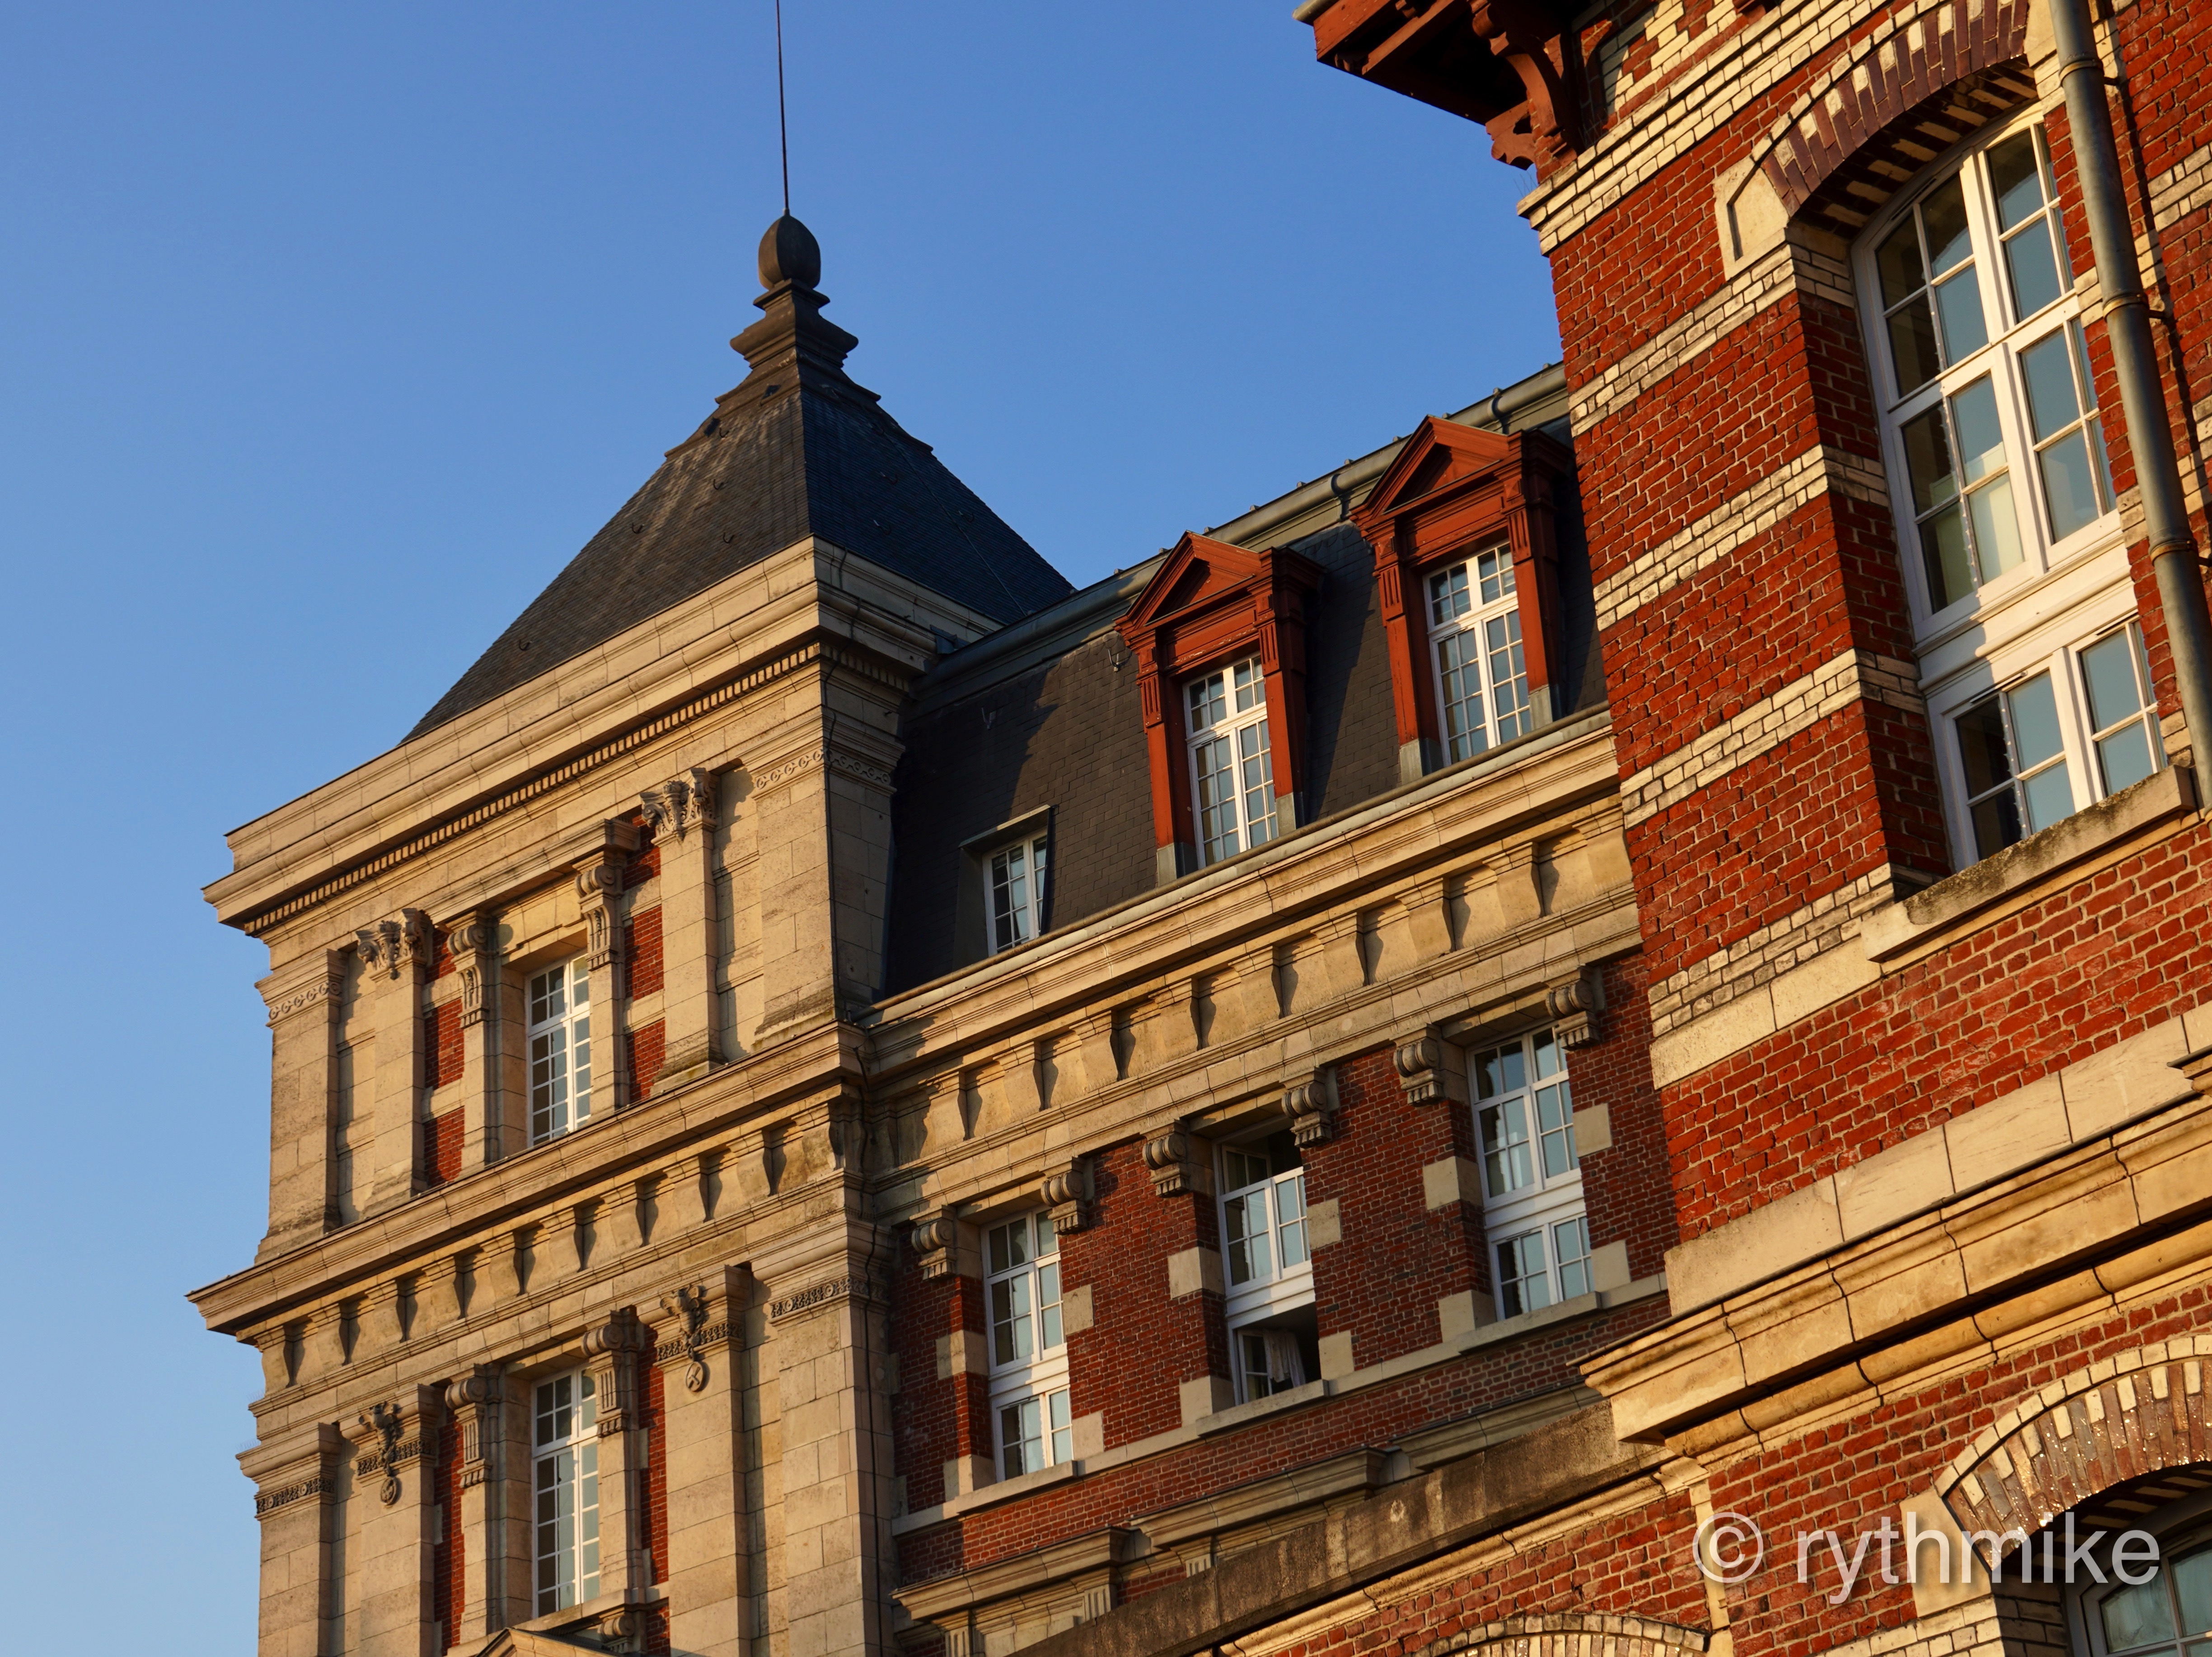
[
  {"x": 564, "y": 1495},
  {"x": 1474, "y": 613},
  {"x": 1016, "y": 885},
  {"x": 1263, "y": 1223},
  {"x": 2067, "y": 591},
  {"x": 558, "y": 1043},
  {"x": 1536, "y": 1228},
  {"x": 1225, "y": 716},
  {"x": 1027, "y": 1344}
]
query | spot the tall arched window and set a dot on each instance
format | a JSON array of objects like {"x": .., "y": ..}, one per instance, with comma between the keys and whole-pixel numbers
[{"x": 2022, "y": 609}]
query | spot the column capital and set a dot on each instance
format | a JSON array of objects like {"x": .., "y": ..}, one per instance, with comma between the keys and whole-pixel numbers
[
  {"x": 1428, "y": 1068},
  {"x": 398, "y": 944},
  {"x": 473, "y": 943},
  {"x": 672, "y": 809}
]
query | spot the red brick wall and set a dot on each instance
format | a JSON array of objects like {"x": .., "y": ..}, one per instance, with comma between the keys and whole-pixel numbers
[
  {"x": 1375, "y": 1416},
  {"x": 644, "y": 864},
  {"x": 1398, "y": 1256},
  {"x": 1123, "y": 1257},
  {"x": 642, "y": 951},
  {"x": 446, "y": 1050},
  {"x": 1628, "y": 1191},
  {"x": 441, "y": 1145},
  {"x": 2029, "y": 994},
  {"x": 935, "y": 1419},
  {"x": 647, "y": 1048},
  {"x": 656, "y": 1469},
  {"x": 448, "y": 1583}
]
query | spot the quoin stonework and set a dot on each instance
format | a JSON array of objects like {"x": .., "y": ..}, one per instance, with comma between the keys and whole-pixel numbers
[{"x": 1632, "y": 963}]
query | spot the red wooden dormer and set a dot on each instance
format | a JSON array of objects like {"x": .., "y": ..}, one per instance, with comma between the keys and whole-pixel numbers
[
  {"x": 1467, "y": 577},
  {"x": 1213, "y": 608}
]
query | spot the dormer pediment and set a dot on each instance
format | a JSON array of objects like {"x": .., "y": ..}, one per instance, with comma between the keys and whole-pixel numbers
[
  {"x": 1199, "y": 573},
  {"x": 1452, "y": 484}
]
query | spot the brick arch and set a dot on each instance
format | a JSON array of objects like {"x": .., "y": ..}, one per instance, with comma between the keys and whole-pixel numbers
[
  {"x": 1889, "y": 105},
  {"x": 2139, "y": 1412},
  {"x": 1572, "y": 1634}
]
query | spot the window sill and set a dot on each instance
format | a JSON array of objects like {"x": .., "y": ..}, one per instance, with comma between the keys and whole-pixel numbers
[
  {"x": 989, "y": 1496},
  {"x": 1237, "y": 1414},
  {"x": 2016, "y": 874}
]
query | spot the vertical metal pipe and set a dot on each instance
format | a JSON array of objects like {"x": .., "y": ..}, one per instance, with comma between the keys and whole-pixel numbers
[{"x": 2142, "y": 397}]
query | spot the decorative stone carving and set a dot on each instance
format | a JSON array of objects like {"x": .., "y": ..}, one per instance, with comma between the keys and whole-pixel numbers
[
  {"x": 1311, "y": 1106},
  {"x": 685, "y": 801},
  {"x": 473, "y": 942},
  {"x": 851, "y": 1287},
  {"x": 388, "y": 946},
  {"x": 599, "y": 888},
  {"x": 389, "y": 1427},
  {"x": 613, "y": 1348},
  {"x": 936, "y": 1244},
  {"x": 1574, "y": 1006},
  {"x": 1068, "y": 1195},
  {"x": 1175, "y": 1165},
  {"x": 1419, "y": 1064},
  {"x": 687, "y": 1306},
  {"x": 474, "y": 1399},
  {"x": 622, "y": 1630}
]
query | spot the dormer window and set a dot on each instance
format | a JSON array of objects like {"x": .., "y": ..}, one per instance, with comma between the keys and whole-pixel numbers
[
  {"x": 1474, "y": 641},
  {"x": 1232, "y": 771},
  {"x": 1016, "y": 892}
]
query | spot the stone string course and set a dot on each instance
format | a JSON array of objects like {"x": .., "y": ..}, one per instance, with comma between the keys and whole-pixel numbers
[
  {"x": 1853, "y": 675},
  {"x": 1762, "y": 957}
]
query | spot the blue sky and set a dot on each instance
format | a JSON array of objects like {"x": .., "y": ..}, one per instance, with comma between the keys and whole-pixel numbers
[{"x": 327, "y": 335}]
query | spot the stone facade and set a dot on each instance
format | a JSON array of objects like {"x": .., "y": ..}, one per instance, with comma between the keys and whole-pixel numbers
[{"x": 949, "y": 1075}]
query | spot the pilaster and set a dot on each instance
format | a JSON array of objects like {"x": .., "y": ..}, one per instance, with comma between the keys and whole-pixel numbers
[
  {"x": 614, "y": 1351},
  {"x": 699, "y": 1352},
  {"x": 600, "y": 877},
  {"x": 475, "y": 1402},
  {"x": 395, "y": 965},
  {"x": 305, "y": 1001},
  {"x": 295, "y": 1479},
  {"x": 680, "y": 816},
  {"x": 493, "y": 1123},
  {"x": 394, "y": 1506}
]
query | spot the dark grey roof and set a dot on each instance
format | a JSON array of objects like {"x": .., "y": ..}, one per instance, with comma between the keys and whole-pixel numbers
[{"x": 797, "y": 449}]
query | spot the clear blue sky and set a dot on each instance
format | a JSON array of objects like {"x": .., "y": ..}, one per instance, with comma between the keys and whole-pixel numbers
[{"x": 328, "y": 334}]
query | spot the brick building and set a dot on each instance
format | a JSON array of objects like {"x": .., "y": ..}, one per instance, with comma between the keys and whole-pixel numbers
[{"x": 1624, "y": 970}]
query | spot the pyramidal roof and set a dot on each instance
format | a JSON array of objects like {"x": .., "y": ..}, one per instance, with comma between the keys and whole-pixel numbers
[{"x": 797, "y": 449}]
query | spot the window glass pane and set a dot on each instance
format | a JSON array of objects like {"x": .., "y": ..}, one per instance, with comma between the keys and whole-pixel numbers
[
  {"x": 2035, "y": 722},
  {"x": 1981, "y": 437},
  {"x": 1251, "y": 687},
  {"x": 1996, "y": 824},
  {"x": 2108, "y": 672},
  {"x": 2095, "y": 428},
  {"x": 2069, "y": 488},
  {"x": 2016, "y": 180},
  {"x": 1944, "y": 215},
  {"x": 2032, "y": 264},
  {"x": 1897, "y": 262},
  {"x": 1448, "y": 594},
  {"x": 1521, "y": 1285},
  {"x": 1928, "y": 460},
  {"x": 2050, "y": 798},
  {"x": 1912, "y": 345},
  {"x": 1958, "y": 303},
  {"x": 1996, "y": 528},
  {"x": 1982, "y": 748},
  {"x": 2051, "y": 404},
  {"x": 2192, "y": 1585},
  {"x": 1571, "y": 1248},
  {"x": 1465, "y": 735},
  {"x": 2136, "y": 1616},
  {"x": 2124, "y": 758},
  {"x": 1496, "y": 569}
]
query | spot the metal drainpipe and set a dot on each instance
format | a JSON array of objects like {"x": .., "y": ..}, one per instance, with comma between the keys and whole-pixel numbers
[{"x": 2143, "y": 396}]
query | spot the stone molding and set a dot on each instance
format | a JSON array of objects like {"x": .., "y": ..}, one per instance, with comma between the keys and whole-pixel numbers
[
  {"x": 473, "y": 1400},
  {"x": 674, "y": 808},
  {"x": 1570, "y": 1633},
  {"x": 323, "y": 990},
  {"x": 852, "y": 1286},
  {"x": 268, "y": 1501},
  {"x": 789, "y": 770},
  {"x": 473, "y": 942},
  {"x": 2133, "y": 1413}
]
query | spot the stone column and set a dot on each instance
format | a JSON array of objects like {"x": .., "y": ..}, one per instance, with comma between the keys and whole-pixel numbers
[
  {"x": 494, "y": 1125},
  {"x": 680, "y": 816},
  {"x": 395, "y": 1506},
  {"x": 837, "y": 1464},
  {"x": 295, "y": 1498},
  {"x": 305, "y": 1000},
  {"x": 709, "y": 1564},
  {"x": 600, "y": 878},
  {"x": 475, "y": 1402},
  {"x": 395, "y": 964},
  {"x": 615, "y": 1351}
]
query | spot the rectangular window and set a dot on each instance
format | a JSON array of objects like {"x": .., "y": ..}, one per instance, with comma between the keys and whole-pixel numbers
[
  {"x": 565, "y": 1492},
  {"x": 1524, "y": 1119},
  {"x": 1232, "y": 770},
  {"x": 1270, "y": 1266},
  {"x": 342, "y": 1138},
  {"x": 1016, "y": 896},
  {"x": 1028, "y": 1353},
  {"x": 560, "y": 1035},
  {"x": 1475, "y": 634}
]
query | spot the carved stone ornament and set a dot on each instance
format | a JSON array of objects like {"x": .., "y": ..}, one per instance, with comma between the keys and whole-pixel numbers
[
  {"x": 1311, "y": 1106},
  {"x": 385, "y": 1421},
  {"x": 1067, "y": 1196},
  {"x": 599, "y": 885},
  {"x": 1574, "y": 1007},
  {"x": 622, "y": 1630},
  {"x": 1419, "y": 1064},
  {"x": 389, "y": 945},
  {"x": 685, "y": 801},
  {"x": 936, "y": 1244},
  {"x": 1172, "y": 1158},
  {"x": 687, "y": 1306},
  {"x": 473, "y": 942}
]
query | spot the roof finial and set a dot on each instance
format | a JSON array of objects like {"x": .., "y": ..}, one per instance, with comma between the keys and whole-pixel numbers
[{"x": 782, "y": 125}]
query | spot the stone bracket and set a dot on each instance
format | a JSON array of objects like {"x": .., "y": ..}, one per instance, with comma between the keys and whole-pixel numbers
[
  {"x": 1574, "y": 1006},
  {"x": 1178, "y": 1164},
  {"x": 1311, "y": 1103},
  {"x": 1068, "y": 1196}
]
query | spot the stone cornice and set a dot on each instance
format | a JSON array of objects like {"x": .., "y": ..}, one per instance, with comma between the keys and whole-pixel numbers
[{"x": 1925, "y": 1296}]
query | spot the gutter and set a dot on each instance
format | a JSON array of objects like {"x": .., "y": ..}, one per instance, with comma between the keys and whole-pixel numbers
[{"x": 2142, "y": 395}]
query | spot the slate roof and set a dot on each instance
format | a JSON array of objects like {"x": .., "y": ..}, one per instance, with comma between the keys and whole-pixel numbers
[{"x": 797, "y": 449}]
